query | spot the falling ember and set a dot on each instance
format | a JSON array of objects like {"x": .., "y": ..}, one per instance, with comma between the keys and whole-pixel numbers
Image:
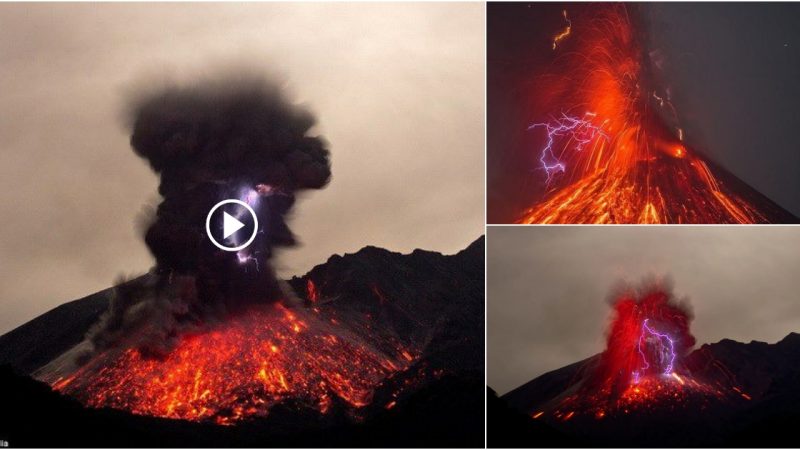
[
  {"x": 606, "y": 139},
  {"x": 563, "y": 34},
  {"x": 240, "y": 369}
]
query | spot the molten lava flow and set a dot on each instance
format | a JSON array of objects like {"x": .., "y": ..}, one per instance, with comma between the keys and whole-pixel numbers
[
  {"x": 311, "y": 290},
  {"x": 610, "y": 148},
  {"x": 240, "y": 369},
  {"x": 641, "y": 368}
]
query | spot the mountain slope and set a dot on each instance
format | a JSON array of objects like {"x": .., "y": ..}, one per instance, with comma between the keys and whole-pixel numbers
[
  {"x": 426, "y": 302},
  {"x": 765, "y": 401},
  {"x": 33, "y": 344}
]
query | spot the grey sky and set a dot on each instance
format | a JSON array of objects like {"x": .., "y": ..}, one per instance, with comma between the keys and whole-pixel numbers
[
  {"x": 398, "y": 90},
  {"x": 547, "y": 287},
  {"x": 733, "y": 69}
]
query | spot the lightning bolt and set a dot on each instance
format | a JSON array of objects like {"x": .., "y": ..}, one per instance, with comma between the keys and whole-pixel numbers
[
  {"x": 251, "y": 197},
  {"x": 581, "y": 131},
  {"x": 245, "y": 258},
  {"x": 661, "y": 337}
]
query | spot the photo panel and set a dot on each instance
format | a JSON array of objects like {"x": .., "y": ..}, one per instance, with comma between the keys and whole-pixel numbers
[
  {"x": 239, "y": 224},
  {"x": 643, "y": 113},
  {"x": 643, "y": 336}
]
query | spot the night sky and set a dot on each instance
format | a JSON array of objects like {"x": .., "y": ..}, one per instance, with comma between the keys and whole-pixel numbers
[
  {"x": 548, "y": 286},
  {"x": 733, "y": 70}
]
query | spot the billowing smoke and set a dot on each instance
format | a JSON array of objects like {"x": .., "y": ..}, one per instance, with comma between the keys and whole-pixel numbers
[{"x": 229, "y": 138}]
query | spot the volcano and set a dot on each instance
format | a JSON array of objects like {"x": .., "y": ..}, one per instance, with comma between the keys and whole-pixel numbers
[
  {"x": 592, "y": 133},
  {"x": 726, "y": 394},
  {"x": 379, "y": 349}
]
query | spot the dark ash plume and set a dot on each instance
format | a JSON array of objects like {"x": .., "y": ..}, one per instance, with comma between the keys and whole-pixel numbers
[{"x": 209, "y": 142}]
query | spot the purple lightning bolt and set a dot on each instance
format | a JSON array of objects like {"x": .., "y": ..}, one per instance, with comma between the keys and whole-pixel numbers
[
  {"x": 579, "y": 130},
  {"x": 251, "y": 197},
  {"x": 661, "y": 337}
]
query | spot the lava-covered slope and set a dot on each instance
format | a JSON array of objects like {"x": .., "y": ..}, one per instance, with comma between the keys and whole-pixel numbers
[
  {"x": 419, "y": 317},
  {"x": 754, "y": 403},
  {"x": 661, "y": 189}
]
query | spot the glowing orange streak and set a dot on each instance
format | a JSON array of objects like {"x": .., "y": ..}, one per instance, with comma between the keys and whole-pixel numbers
[{"x": 561, "y": 36}]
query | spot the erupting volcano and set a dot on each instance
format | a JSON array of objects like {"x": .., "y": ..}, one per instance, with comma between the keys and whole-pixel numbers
[
  {"x": 648, "y": 387},
  {"x": 636, "y": 349},
  {"x": 212, "y": 337},
  {"x": 606, "y": 143},
  {"x": 643, "y": 367},
  {"x": 198, "y": 339}
]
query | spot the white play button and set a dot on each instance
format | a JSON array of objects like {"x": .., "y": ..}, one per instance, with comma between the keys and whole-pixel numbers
[{"x": 230, "y": 225}]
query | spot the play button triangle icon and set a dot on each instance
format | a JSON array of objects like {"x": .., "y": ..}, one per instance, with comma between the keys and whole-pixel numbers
[{"x": 230, "y": 225}]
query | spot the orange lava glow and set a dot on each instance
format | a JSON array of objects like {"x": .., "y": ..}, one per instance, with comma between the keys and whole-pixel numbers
[
  {"x": 313, "y": 295},
  {"x": 564, "y": 33},
  {"x": 660, "y": 392},
  {"x": 240, "y": 369},
  {"x": 638, "y": 170}
]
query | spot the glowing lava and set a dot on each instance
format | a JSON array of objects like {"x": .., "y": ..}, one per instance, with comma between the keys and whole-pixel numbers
[
  {"x": 242, "y": 368},
  {"x": 610, "y": 147},
  {"x": 311, "y": 290}
]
